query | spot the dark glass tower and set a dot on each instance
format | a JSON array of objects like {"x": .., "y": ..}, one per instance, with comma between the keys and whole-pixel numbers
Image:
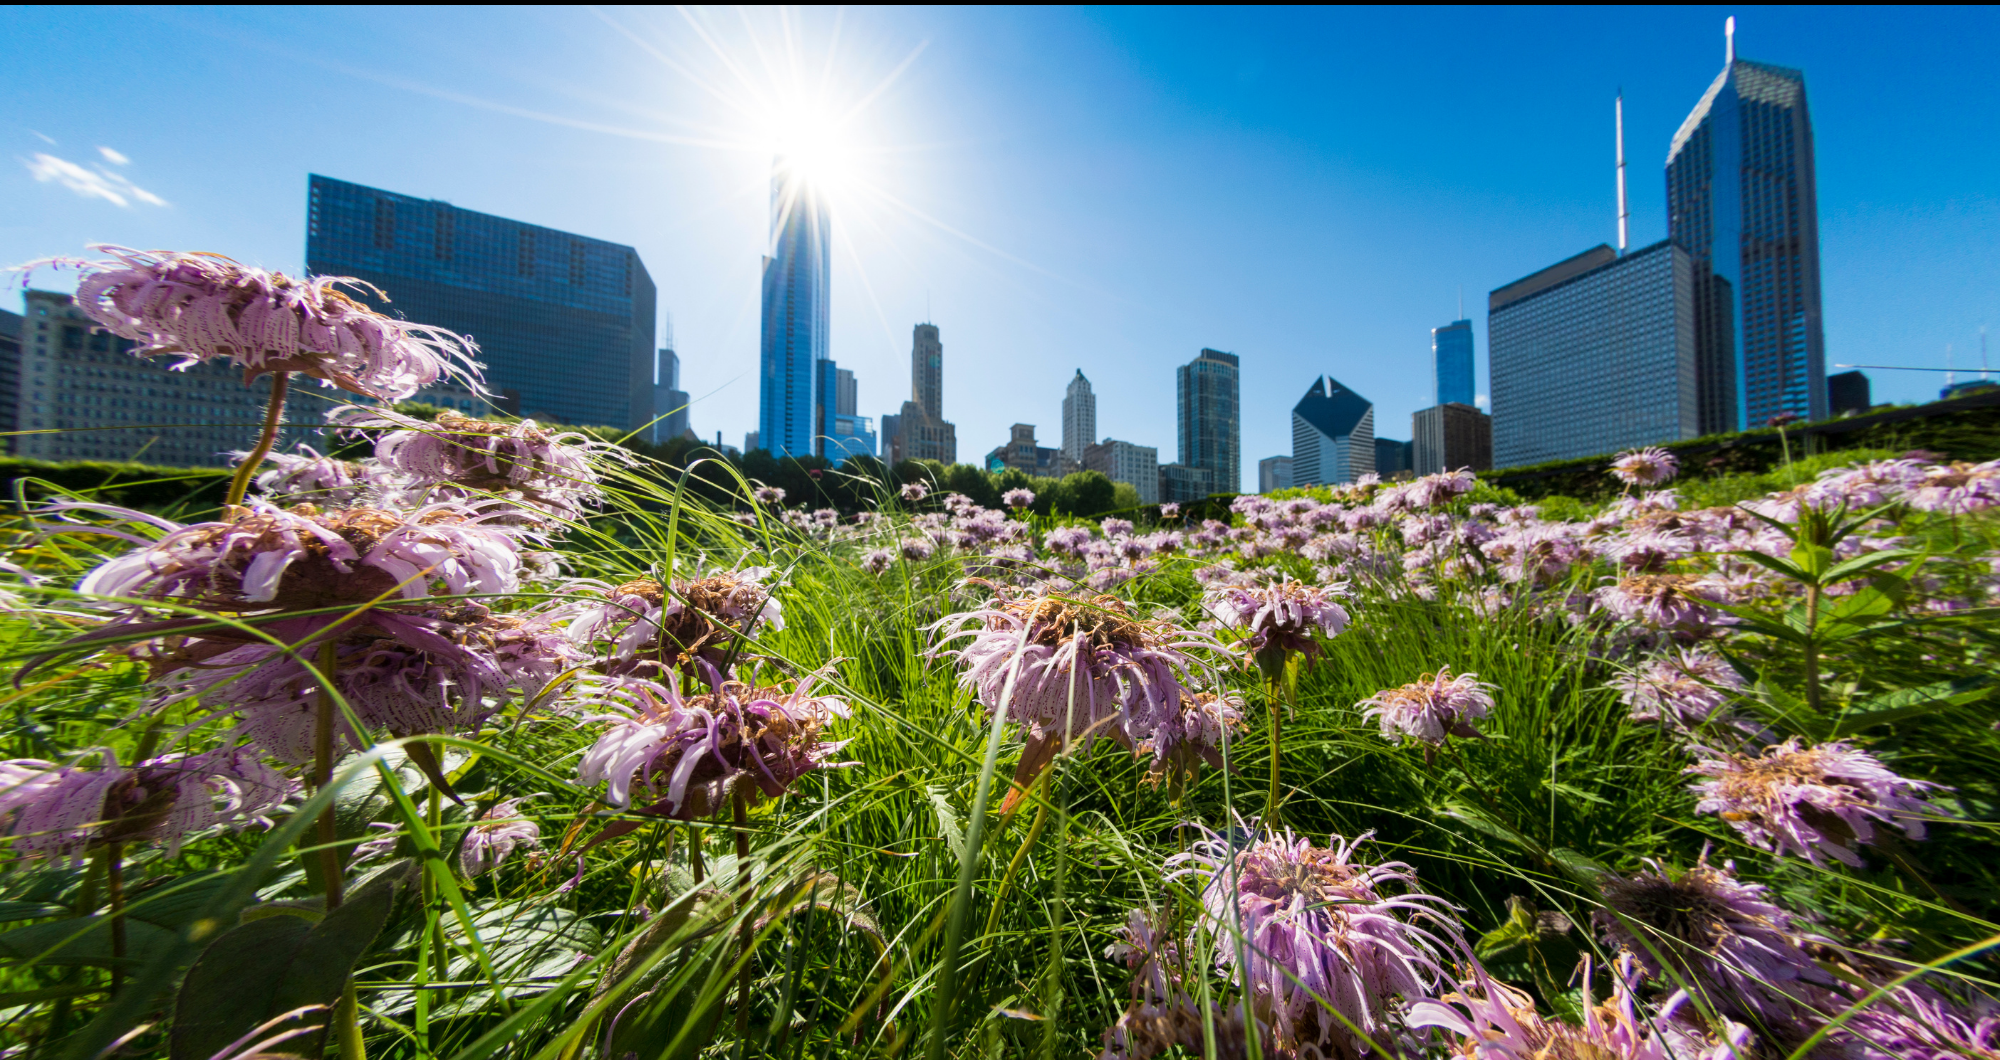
[
  {"x": 564, "y": 322},
  {"x": 797, "y": 314},
  {"x": 1741, "y": 202},
  {"x": 1211, "y": 436},
  {"x": 1451, "y": 345}
]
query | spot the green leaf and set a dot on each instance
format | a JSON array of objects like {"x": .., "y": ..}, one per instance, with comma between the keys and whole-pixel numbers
[
  {"x": 11, "y": 911},
  {"x": 531, "y": 945},
  {"x": 1813, "y": 561},
  {"x": 272, "y": 965},
  {"x": 1853, "y": 568},
  {"x": 1906, "y": 703},
  {"x": 1773, "y": 563},
  {"x": 83, "y": 940},
  {"x": 948, "y": 823}
]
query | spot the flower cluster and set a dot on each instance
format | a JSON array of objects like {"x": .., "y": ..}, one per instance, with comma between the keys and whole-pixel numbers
[
  {"x": 63, "y": 811},
  {"x": 1809, "y": 801},
  {"x": 652, "y": 628},
  {"x": 1432, "y": 708},
  {"x": 556, "y": 474},
  {"x": 1278, "y": 621}
]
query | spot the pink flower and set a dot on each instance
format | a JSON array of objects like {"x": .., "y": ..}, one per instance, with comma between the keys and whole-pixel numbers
[
  {"x": 206, "y": 307},
  {"x": 1662, "y": 601},
  {"x": 1431, "y": 491},
  {"x": 1431, "y": 708},
  {"x": 768, "y": 495},
  {"x": 1497, "y": 1022},
  {"x": 499, "y": 831},
  {"x": 877, "y": 561},
  {"x": 1170, "y": 510},
  {"x": 1317, "y": 929},
  {"x": 702, "y": 620},
  {"x": 1645, "y": 467},
  {"x": 914, "y": 491},
  {"x": 1206, "y": 723},
  {"x": 1804, "y": 801},
  {"x": 1958, "y": 488},
  {"x": 556, "y": 472},
  {"x": 1684, "y": 686},
  {"x": 690, "y": 754},
  {"x": 1277, "y": 620},
  {"x": 63, "y": 811},
  {"x": 309, "y": 477},
  {"x": 1018, "y": 498},
  {"x": 916, "y": 549}
]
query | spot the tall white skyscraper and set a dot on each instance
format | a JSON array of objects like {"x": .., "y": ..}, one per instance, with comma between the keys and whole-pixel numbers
[{"x": 1079, "y": 418}]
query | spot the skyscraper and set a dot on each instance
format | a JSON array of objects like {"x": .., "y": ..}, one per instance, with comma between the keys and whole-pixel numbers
[
  {"x": 1333, "y": 435},
  {"x": 670, "y": 402},
  {"x": 1274, "y": 473},
  {"x": 1449, "y": 437},
  {"x": 1742, "y": 202},
  {"x": 920, "y": 431},
  {"x": 1592, "y": 355},
  {"x": 1079, "y": 428},
  {"x": 797, "y": 314},
  {"x": 1209, "y": 422},
  {"x": 840, "y": 433},
  {"x": 565, "y": 323},
  {"x": 1451, "y": 347}
]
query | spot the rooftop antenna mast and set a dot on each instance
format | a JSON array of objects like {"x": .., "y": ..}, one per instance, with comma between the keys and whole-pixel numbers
[
  {"x": 1624, "y": 215},
  {"x": 1729, "y": 41}
]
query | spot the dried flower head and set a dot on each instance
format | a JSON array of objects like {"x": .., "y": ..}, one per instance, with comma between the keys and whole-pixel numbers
[
  {"x": 689, "y": 755},
  {"x": 63, "y": 811},
  {"x": 700, "y": 620},
  {"x": 1432, "y": 707},
  {"x": 206, "y": 307},
  {"x": 500, "y": 830},
  {"x": 1068, "y": 669},
  {"x": 1645, "y": 467},
  {"x": 1805, "y": 801},
  {"x": 1319, "y": 929},
  {"x": 1277, "y": 620},
  {"x": 1161, "y": 1014}
]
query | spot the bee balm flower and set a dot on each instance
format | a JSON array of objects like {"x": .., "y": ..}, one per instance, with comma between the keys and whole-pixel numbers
[
  {"x": 1277, "y": 620},
  {"x": 1645, "y": 467},
  {"x": 1432, "y": 708},
  {"x": 1806, "y": 801}
]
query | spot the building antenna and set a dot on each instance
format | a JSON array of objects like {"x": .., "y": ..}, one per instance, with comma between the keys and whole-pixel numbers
[
  {"x": 1624, "y": 217},
  {"x": 1729, "y": 41}
]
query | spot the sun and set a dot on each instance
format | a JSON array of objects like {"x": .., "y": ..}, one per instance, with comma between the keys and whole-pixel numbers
[{"x": 810, "y": 141}]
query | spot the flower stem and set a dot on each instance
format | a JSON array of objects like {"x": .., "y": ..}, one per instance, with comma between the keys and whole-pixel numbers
[
  {"x": 695, "y": 866},
  {"x": 114, "y": 892},
  {"x": 743, "y": 910},
  {"x": 1014, "y": 866},
  {"x": 273, "y": 413},
  {"x": 1274, "y": 693},
  {"x": 329, "y": 854}
]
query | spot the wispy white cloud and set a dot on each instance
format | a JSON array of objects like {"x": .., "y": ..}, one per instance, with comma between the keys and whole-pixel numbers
[
  {"x": 98, "y": 183},
  {"x": 46, "y": 138},
  {"x": 113, "y": 157}
]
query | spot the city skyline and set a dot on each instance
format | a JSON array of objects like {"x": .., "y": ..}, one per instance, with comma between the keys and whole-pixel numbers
[{"x": 1029, "y": 297}]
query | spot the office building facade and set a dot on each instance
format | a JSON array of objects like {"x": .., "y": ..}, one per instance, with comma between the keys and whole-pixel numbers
[
  {"x": 798, "y": 277},
  {"x": 1742, "y": 202},
  {"x": 1181, "y": 484},
  {"x": 564, "y": 323},
  {"x": 1274, "y": 473},
  {"x": 1594, "y": 355},
  {"x": 1451, "y": 354},
  {"x": 1119, "y": 461},
  {"x": 1209, "y": 418},
  {"x": 1450, "y": 437},
  {"x": 670, "y": 402},
  {"x": 1333, "y": 435},
  {"x": 10, "y": 376},
  {"x": 1079, "y": 423},
  {"x": 1022, "y": 453},
  {"x": 841, "y": 434},
  {"x": 1392, "y": 457},
  {"x": 1847, "y": 392}
]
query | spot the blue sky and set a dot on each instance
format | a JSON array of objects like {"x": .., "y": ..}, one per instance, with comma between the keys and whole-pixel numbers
[{"x": 1108, "y": 190}]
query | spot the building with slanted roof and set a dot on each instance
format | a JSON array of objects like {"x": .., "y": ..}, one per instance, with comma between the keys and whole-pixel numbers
[{"x": 1333, "y": 435}]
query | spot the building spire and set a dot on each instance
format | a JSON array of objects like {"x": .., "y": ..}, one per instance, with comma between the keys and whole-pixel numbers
[
  {"x": 1729, "y": 41},
  {"x": 1624, "y": 216}
]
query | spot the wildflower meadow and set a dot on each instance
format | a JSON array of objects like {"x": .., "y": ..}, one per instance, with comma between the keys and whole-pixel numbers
[{"x": 465, "y": 738}]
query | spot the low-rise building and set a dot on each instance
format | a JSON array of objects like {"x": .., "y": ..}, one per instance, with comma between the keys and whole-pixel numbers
[
  {"x": 1119, "y": 461},
  {"x": 1274, "y": 473},
  {"x": 1449, "y": 437}
]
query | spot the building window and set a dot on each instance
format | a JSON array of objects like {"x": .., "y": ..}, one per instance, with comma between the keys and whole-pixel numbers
[
  {"x": 385, "y": 224},
  {"x": 526, "y": 265},
  {"x": 446, "y": 231},
  {"x": 576, "y": 272}
]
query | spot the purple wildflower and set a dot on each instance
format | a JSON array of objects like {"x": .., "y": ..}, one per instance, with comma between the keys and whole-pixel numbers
[
  {"x": 916, "y": 549},
  {"x": 1432, "y": 707},
  {"x": 1645, "y": 467},
  {"x": 877, "y": 561},
  {"x": 63, "y": 811},
  {"x": 307, "y": 476},
  {"x": 1067, "y": 670},
  {"x": 1116, "y": 527},
  {"x": 1018, "y": 498},
  {"x": 206, "y": 307},
  {"x": 1718, "y": 934},
  {"x": 1317, "y": 929},
  {"x": 1068, "y": 540},
  {"x": 1917, "y": 1024},
  {"x": 690, "y": 754},
  {"x": 1807, "y": 801},
  {"x": 1206, "y": 723},
  {"x": 1170, "y": 510},
  {"x": 1662, "y": 601},
  {"x": 1277, "y": 620},
  {"x": 1161, "y": 1014},
  {"x": 652, "y": 629},
  {"x": 1956, "y": 488},
  {"x": 266, "y": 558},
  {"x": 1685, "y": 687},
  {"x": 1430, "y": 491},
  {"x": 914, "y": 491},
  {"x": 552, "y": 471},
  {"x": 768, "y": 495},
  {"x": 1497, "y": 1022},
  {"x": 499, "y": 831}
]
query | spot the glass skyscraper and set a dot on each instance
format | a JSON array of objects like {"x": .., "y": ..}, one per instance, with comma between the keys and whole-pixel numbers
[
  {"x": 1333, "y": 435},
  {"x": 1593, "y": 355},
  {"x": 1741, "y": 202},
  {"x": 1211, "y": 435},
  {"x": 1451, "y": 346},
  {"x": 564, "y": 322},
  {"x": 797, "y": 314}
]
